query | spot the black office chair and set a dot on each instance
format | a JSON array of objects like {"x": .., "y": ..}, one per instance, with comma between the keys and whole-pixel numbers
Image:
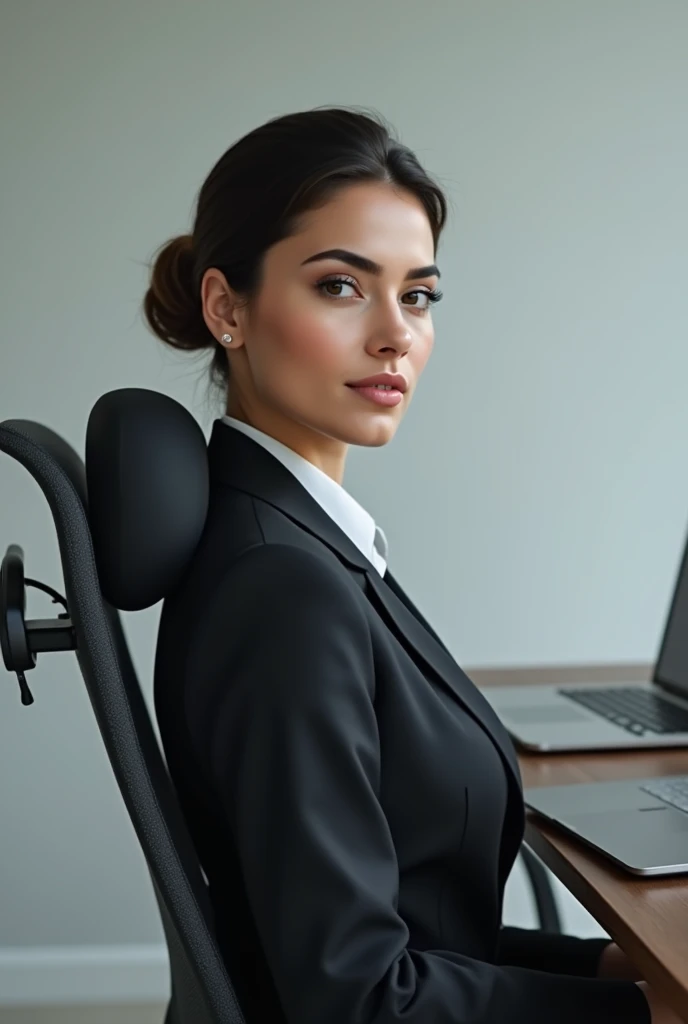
[{"x": 127, "y": 525}]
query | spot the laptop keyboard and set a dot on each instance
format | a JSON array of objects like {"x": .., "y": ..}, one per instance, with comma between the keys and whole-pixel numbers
[
  {"x": 671, "y": 791},
  {"x": 640, "y": 712}
]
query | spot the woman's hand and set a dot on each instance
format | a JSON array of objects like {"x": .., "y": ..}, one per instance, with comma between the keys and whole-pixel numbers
[
  {"x": 660, "y": 1013},
  {"x": 614, "y": 964}
]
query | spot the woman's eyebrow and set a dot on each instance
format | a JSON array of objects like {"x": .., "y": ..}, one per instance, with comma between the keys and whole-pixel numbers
[{"x": 368, "y": 265}]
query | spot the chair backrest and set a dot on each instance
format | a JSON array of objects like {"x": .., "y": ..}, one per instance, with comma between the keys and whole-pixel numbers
[{"x": 145, "y": 456}]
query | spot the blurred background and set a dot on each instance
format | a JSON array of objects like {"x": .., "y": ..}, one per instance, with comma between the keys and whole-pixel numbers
[{"x": 535, "y": 497}]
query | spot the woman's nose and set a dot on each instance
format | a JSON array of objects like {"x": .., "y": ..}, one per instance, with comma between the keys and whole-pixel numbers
[{"x": 393, "y": 332}]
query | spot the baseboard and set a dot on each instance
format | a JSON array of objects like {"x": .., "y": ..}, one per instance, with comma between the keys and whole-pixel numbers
[{"x": 73, "y": 975}]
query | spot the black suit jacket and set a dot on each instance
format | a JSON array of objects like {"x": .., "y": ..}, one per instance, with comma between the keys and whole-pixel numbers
[{"x": 355, "y": 802}]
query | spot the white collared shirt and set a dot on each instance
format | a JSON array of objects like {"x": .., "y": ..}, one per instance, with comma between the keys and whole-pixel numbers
[{"x": 350, "y": 517}]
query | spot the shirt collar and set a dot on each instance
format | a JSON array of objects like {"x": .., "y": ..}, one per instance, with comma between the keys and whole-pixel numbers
[{"x": 346, "y": 512}]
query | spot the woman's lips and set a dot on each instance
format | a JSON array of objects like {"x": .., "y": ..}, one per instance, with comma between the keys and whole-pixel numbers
[{"x": 382, "y": 396}]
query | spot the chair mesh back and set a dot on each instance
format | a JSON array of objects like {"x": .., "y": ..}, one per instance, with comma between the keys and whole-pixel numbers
[{"x": 202, "y": 992}]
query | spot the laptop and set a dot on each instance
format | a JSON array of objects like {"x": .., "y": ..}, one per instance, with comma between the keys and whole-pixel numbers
[
  {"x": 640, "y": 824},
  {"x": 597, "y": 716}
]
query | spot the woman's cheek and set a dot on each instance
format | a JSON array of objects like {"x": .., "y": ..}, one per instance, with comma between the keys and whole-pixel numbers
[{"x": 318, "y": 344}]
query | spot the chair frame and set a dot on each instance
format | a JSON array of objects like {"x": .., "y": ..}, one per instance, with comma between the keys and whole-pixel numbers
[{"x": 202, "y": 992}]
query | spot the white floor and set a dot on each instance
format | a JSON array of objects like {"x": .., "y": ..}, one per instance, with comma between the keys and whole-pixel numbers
[{"x": 84, "y": 1015}]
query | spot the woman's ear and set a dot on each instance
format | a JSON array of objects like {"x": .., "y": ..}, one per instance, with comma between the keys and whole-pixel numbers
[{"x": 220, "y": 304}]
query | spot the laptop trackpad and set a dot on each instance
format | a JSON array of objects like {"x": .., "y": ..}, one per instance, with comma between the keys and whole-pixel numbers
[
  {"x": 653, "y": 838},
  {"x": 548, "y": 714}
]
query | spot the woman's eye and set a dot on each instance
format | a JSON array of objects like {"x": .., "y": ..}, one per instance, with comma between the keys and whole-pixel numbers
[
  {"x": 424, "y": 299},
  {"x": 336, "y": 282},
  {"x": 430, "y": 297}
]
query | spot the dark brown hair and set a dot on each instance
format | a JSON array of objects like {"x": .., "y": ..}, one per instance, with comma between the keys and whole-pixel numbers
[{"x": 253, "y": 198}]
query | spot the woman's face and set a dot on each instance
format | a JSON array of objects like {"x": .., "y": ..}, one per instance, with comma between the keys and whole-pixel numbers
[{"x": 319, "y": 323}]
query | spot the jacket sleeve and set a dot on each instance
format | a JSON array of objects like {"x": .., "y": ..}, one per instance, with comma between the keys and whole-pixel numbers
[
  {"x": 546, "y": 951},
  {"x": 284, "y": 656}
]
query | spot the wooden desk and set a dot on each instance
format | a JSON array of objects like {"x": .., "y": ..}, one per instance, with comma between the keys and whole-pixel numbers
[{"x": 648, "y": 919}]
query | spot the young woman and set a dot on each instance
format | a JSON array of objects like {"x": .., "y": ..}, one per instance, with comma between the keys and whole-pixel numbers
[{"x": 355, "y": 803}]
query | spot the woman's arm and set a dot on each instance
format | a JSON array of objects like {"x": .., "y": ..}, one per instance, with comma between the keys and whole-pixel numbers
[
  {"x": 284, "y": 661},
  {"x": 547, "y": 951}
]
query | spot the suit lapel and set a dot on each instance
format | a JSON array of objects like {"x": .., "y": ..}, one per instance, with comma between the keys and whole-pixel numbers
[
  {"x": 414, "y": 632},
  {"x": 243, "y": 464},
  {"x": 396, "y": 589}
]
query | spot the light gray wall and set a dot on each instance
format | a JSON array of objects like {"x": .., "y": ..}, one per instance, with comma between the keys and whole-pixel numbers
[{"x": 536, "y": 496}]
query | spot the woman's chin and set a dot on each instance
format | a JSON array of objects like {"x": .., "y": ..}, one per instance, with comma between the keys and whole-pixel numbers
[{"x": 378, "y": 431}]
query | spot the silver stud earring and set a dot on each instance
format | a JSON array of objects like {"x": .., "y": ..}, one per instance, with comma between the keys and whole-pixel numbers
[{"x": 226, "y": 339}]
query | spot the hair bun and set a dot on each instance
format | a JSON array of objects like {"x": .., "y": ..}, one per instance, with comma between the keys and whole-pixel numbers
[{"x": 172, "y": 304}]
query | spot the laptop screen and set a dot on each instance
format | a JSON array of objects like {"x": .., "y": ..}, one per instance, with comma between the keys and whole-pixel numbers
[{"x": 672, "y": 664}]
